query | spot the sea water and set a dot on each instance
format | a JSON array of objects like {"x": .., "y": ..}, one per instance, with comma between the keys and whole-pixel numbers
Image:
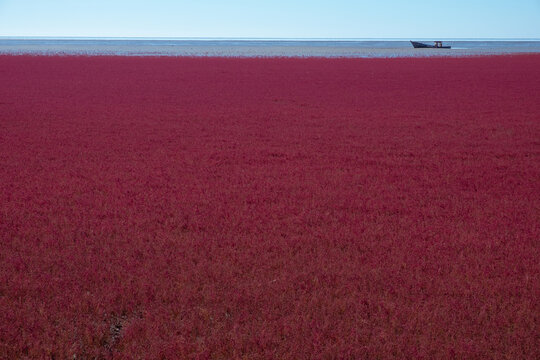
[{"x": 246, "y": 47}]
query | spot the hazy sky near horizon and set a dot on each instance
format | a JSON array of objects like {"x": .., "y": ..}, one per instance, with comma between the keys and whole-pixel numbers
[{"x": 272, "y": 19}]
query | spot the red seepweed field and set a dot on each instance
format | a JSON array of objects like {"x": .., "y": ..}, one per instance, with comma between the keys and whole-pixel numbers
[{"x": 218, "y": 208}]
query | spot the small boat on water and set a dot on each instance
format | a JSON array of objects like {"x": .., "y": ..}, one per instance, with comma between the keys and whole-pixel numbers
[{"x": 436, "y": 45}]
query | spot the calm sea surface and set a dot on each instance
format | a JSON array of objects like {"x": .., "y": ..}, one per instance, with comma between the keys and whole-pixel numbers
[{"x": 260, "y": 47}]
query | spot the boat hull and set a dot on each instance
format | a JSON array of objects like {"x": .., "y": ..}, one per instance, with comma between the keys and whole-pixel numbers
[{"x": 419, "y": 45}]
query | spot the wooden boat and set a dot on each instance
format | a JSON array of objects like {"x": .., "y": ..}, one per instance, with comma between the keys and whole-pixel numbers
[{"x": 436, "y": 45}]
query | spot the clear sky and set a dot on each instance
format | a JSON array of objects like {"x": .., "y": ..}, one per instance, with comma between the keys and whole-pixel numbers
[{"x": 272, "y": 19}]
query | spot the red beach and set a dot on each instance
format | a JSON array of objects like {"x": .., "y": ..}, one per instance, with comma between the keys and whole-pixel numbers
[{"x": 269, "y": 208}]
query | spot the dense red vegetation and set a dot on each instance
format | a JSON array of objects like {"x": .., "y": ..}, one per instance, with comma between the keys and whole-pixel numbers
[{"x": 269, "y": 208}]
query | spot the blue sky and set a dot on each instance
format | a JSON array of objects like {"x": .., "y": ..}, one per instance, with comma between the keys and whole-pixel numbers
[{"x": 274, "y": 19}]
